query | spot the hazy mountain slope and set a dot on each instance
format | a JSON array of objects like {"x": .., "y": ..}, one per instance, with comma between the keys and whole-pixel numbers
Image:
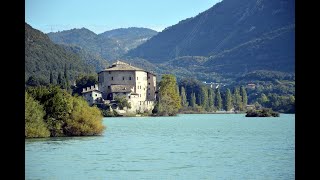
[
  {"x": 233, "y": 35},
  {"x": 109, "y": 45}
]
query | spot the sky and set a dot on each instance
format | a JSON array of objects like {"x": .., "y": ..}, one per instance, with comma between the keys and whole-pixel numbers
[{"x": 103, "y": 15}]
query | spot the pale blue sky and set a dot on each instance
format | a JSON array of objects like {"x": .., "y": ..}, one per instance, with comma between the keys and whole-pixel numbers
[{"x": 103, "y": 15}]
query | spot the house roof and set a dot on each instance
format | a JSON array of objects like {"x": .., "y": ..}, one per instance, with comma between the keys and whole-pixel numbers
[
  {"x": 83, "y": 92},
  {"x": 122, "y": 66},
  {"x": 121, "y": 88}
]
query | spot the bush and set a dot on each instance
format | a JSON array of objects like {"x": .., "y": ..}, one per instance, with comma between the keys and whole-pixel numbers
[
  {"x": 34, "y": 123},
  {"x": 84, "y": 120},
  {"x": 65, "y": 114},
  {"x": 265, "y": 112}
]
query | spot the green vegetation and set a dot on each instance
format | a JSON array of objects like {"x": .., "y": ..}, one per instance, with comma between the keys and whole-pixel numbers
[
  {"x": 122, "y": 102},
  {"x": 228, "y": 102},
  {"x": 184, "y": 102},
  {"x": 218, "y": 101},
  {"x": 84, "y": 81},
  {"x": 43, "y": 57},
  {"x": 204, "y": 99},
  {"x": 63, "y": 114},
  {"x": 169, "y": 101},
  {"x": 237, "y": 100},
  {"x": 265, "y": 112},
  {"x": 34, "y": 123}
]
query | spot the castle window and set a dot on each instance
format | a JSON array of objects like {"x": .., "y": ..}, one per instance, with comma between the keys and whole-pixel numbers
[
  {"x": 111, "y": 78},
  {"x": 149, "y": 83},
  {"x": 96, "y": 95},
  {"x": 109, "y": 72},
  {"x": 129, "y": 97},
  {"x": 140, "y": 95},
  {"x": 148, "y": 77},
  {"x": 108, "y": 87},
  {"x": 149, "y": 94},
  {"x": 122, "y": 78},
  {"x": 130, "y": 78}
]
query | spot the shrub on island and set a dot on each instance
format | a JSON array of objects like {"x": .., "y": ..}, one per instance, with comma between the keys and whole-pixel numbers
[{"x": 264, "y": 112}]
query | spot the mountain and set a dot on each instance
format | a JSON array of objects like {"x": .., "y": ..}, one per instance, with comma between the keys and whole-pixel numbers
[
  {"x": 42, "y": 56},
  {"x": 94, "y": 60},
  {"x": 109, "y": 45},
  {"x": 231, "y": 38}
]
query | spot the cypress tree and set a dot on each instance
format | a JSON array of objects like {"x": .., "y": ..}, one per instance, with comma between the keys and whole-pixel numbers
[
  {"x": 184, "y": 101},
  {"x": 228, "y": 100},
  {"x": 237, "y": 99},
  {"x": 244, "y": 96},
  {"x": 210, "y": 99},
  {"x": 59, "y": 80},
  {"x": 193, "y": 100},
  {"x": 204, "y": 98},
  {"x": 218, "y": 100},
  {"x": 51, "y": 77}
]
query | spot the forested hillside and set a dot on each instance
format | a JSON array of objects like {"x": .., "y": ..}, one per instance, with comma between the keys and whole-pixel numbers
[
  {"x": 43, "y": 57},
  {"x": 231, "y": 38}
]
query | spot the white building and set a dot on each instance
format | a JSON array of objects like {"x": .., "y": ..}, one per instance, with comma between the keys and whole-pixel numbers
[
  {"x": 92, "y": 94},
  {"x": 137, "y": 85}
]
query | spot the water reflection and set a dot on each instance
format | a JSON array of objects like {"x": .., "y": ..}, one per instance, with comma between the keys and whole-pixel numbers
[{"x": 59, "y": 140}]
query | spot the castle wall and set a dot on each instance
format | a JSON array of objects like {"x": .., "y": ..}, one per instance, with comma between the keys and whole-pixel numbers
[
  {"x": 108, "y": 78},
  {"x": 91, "y": 96},
  {"x": 151, "y": 89},
  {"x": 144, "y": 87},
  {"x": 141, "y": 85}
]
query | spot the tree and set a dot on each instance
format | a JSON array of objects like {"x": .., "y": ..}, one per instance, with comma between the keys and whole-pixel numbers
[
  {"x": 36, "y": 81},
  {"x": 59, "y": 80},
  {"x": 244, "y": 96},
  {"x": 193, "y": 100},
  {"x": 84, "y": 120},
  {"x": 66, "y": 83},
  {"x": 199, "y": 99},
  {"x": 65, "y": 114},
  {"x": 210, "y": 99},
  {"x": 83, "y": 82},
  {"x": 263, "y": 99},
  {"x": 122, "y": 102},
  {"x": 51, "y": 77},
  {"x": 169, "y": 100},
  {"x": 204, "y": 98},
  {"x": 218, "y": 100},
  {"x": 237, "y": 100},
  {"x": 34, "y": 123},
  {"x": 228, "y": 100},
  {"x": 184, "y": 102}
]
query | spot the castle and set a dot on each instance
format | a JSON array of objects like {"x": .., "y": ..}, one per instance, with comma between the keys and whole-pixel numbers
[{"x": 121, "y": 79}]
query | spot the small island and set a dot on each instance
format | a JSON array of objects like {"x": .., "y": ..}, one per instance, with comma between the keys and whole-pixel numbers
[{"x": 264, "y": 112}]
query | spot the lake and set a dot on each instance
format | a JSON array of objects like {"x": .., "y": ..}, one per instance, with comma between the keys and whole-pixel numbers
[{"x": 189, "y": 146}]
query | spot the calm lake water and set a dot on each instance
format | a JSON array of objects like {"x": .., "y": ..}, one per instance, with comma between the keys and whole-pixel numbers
[{"x": 196, "y": 146}]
